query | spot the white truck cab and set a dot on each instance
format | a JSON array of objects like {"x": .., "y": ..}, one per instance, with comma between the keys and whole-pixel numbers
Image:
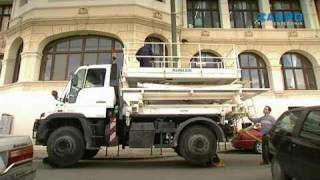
[{"x": 89, "y": 92}]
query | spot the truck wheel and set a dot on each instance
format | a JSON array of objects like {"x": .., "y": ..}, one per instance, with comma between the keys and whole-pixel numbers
[
  {"x": 88, "y": 153},
  {"x": 198, "y": 145},
  {"x": 65, "y": 146}
]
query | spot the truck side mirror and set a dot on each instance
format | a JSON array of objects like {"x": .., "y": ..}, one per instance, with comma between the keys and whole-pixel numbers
[
  {"x": 74, "y": 81},
  {"x": 54, "y": 94}
]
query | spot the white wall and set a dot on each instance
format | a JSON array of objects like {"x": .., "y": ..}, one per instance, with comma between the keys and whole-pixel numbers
[{"x": 26, "y": 102}]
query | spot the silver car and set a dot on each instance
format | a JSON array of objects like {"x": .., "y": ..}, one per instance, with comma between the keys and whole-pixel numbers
[{"x": 16, "y": 157}]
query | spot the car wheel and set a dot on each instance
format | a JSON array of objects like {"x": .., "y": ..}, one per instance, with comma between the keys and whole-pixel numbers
[
  {"x": 65, "y": 146},
  {"x": 88, "y": 154},
  {"x": 198, "y": 145},
  {"x": 277, "y": 172},
  {"x": 258, "y": 147}
]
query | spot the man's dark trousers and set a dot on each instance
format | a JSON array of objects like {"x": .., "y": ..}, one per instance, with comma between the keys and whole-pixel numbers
[{"x": 265, "y": 149}]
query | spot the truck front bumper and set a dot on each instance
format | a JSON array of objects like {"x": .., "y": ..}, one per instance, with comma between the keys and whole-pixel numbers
[
  {"x": 35, "y": 128},
  {"x": 39, "y": 132},
  {"x": 22, "y": 172}
]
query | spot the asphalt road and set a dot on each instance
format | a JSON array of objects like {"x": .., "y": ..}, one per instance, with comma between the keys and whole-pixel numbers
[{"x": 238, "y": 166}]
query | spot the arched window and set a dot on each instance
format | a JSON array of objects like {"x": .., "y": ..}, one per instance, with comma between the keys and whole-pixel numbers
[
  {"x": 298, "y": 72},
  {"x": 208, "y": 60},
  {"x": 16, "y": 71},
  {"x": 62, "y": 57},
  {"x": 158, "y": 49},
  {"x": 254, "y": 70}
]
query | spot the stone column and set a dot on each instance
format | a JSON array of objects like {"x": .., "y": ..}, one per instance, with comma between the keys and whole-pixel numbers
[
  {"x": 276, "y": 78},
  {"x": 265, "y": 8},
  {"x": 184, "y": 14},
  {"x": 310, "y": 15},
  {"x": 317, "y": 76},
  {"x": 30, "y": 66},
  {"x": 224, "y": 14},
  {"x": 7, "y": 71}
]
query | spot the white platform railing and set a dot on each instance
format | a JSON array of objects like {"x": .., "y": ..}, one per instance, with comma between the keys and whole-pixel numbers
[{"x": 163, "y": 59}]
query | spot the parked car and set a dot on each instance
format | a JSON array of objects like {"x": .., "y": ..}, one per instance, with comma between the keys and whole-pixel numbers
[
  {"x": 16, "y": 155},
  {"x": 248, "y": 139},
  {"x": 294, "y": 145}
]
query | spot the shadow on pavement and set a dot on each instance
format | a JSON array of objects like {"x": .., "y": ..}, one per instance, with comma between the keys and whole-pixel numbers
[
  {"x": 236, "y": 151},
  {"x": 130, "y": 163}
]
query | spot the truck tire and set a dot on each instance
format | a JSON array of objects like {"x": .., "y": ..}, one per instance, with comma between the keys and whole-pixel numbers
[
  {"x": 65, "y": 146},
  {"x": 198, "y": 145},
  {"x": 88, "y": 153}
]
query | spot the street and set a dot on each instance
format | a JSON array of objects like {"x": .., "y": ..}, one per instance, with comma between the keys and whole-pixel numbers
[{"x": 238, "y": 165}]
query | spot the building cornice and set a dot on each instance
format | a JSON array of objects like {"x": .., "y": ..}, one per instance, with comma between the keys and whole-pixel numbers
[
  {"x": 87, "y": 21},
  {"x": 253, "y": 36},
  {"x": 89, "y": 6}
]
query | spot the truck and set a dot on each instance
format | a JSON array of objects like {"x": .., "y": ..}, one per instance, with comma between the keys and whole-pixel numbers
[{"x": 180, "y": 102}]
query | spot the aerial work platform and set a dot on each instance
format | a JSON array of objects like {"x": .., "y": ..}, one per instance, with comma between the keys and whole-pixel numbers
[
  {"x": 188, "y": 67},
  {"x": 189, "y": 83}
]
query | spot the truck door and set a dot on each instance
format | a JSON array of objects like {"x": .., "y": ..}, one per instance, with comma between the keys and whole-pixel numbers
[{"x": 90, "y": 93}]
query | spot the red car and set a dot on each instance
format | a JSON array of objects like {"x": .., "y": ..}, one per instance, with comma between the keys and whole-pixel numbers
[{"x": 248, "y": 139}]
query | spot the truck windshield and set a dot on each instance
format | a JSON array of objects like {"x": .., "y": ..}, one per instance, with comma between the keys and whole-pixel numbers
[{"x": 76, "y": 85}]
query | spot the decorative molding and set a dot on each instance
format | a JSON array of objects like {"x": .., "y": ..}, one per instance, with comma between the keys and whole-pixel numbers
[
  {"x": 84, "y": 21},
  {"x": 157, "y": 15},
  {"x": 25, "y": 55},
  {"x": 293, "y": 33},
  {"x": 205, "y": 33},
  {"x": 248, "y": 34},
  {"x": 83, "y": 11}
]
